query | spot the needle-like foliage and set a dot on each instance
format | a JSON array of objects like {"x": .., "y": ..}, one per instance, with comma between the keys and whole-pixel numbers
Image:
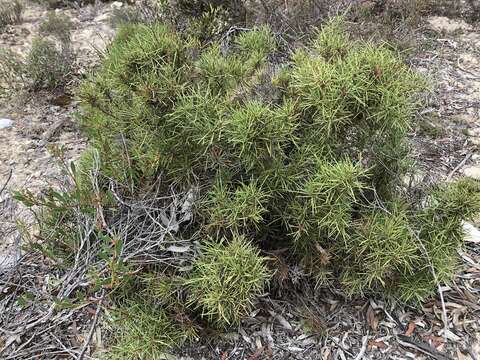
[
  {"x": 59, "y": 26},
  {"x": 307, "y": 153},
  {"x": 225, "y": 280},
  {"x": 143, "y": 331},
  {"x": 48, "y": 65},
  {"x": 325, "y": 203}
]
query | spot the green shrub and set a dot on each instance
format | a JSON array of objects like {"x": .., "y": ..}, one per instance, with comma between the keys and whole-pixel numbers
[
  {"x": 10, "y": 12},
  {"x": 225, "y": 280},
  {"x": 143, "y": 331},
  {"x": 59, "y": 215},
  {"x": 127, "y": 15},
  {"x": 12, "y": 71},
  {"x": 143, "y": 12},
  {"x": 198, "y": 7},
  {"x": 381, "y": 248},
  {"x": 48, "y": 65},
  {"x": 308, "y": 153},
  {"x": 324, "y": 204},
  {"x": 58, "y": 26}
]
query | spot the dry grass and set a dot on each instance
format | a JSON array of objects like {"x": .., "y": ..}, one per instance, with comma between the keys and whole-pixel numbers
[{"x": 10, "y": 12}]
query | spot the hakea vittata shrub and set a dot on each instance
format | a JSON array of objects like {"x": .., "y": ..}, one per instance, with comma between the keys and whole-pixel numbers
[{"x": 307, "y": 153}]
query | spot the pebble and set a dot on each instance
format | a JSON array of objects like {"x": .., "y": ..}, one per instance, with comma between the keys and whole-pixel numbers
[
  {"x": 473, "y": 172},
  {"x": 5, "y": 123},
  {"x": 116, "y": 5},
  {"x": 444, "y": 24},
  {"x": 7, "y": 261},
  {"x": 104, "y": 17},
  {"x": 472, "y": 234}
]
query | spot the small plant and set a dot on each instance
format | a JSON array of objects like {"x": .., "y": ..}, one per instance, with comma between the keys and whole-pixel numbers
[
  {"x": 12, "y": 71},
  {"x": 58, "y": 26},
  {"x": 225, "y": 280},
  {"x": 198, "y": 7},
  {"x": 127, "y": 15},
  {"x": 143, "y": 12},
  {"x": 307, "y": 154},
  {"x": 318, "y": 165},
  {"x": 49, "y": 66},
  {"x": 144, "y": 331},
  {"x": 10, "y": 12}
]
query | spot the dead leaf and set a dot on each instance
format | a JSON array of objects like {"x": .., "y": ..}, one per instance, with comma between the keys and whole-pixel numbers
[
  {"x": 283, "y": 322},
  {"x": 324, "y": 255},
  {"x": 378, "y": 344},
  {"x": 269, "y": 352},
  {"x": 435, "y": 341},
  {"x": 256, "y": 354},
  {"x": 460, "y": 356},
  {"x": 326, "y": 353},
  {"x": 410, "y": 329},
  {"x": 378, "y": 72},
  {"x": 91, "y": 310},
  {"x": 372, "y": 318}
]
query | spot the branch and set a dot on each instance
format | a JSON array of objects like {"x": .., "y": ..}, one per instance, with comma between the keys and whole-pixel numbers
[{"x": 6, "y": 182}]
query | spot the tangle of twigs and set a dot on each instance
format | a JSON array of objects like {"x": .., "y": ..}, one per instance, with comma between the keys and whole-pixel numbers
[{"x": 41, "y": 314}]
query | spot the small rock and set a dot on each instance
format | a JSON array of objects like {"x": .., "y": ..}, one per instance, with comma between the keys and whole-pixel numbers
[
  {"x": 116, "y": 5},
  {"x": 103, "y": 17},
  {"x": 473, "y": 172},
  {"x": 475, "y": 132},
  {"x": 475, "y": 140},
  {"x": 7, "y": 261},
  {"x": 469, "y": 59},
  {"x": 472, "y": 234},
  {"x": 444, "y": 24},
  {"x": 5, "y": 123}
]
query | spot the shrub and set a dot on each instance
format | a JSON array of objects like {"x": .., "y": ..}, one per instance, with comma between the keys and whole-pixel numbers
[
  {"x": 311, "y": 152},
  {"x": 12, "y": 71},
  {"x": 198, "y": 7},
  {"x": 225, "y": 280},
  {"x": 49, "y": 65},
  {"x": 143, "y": 331},
  {"x": 307, "y": 154},
  {"x": 406, "y": 249},
  {"x": 10, "y": 12},
  {"x": 128, "y": 15},
  {"x": 143, "y": 12},
  {"x": 58, "y": 26}
]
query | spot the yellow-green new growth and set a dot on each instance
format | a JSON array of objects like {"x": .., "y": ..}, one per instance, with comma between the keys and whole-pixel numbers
[{"x": 226, "y": 279}]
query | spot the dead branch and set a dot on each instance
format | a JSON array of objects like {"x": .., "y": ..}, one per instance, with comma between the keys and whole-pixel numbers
[{"x": 6, "y": 182}]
